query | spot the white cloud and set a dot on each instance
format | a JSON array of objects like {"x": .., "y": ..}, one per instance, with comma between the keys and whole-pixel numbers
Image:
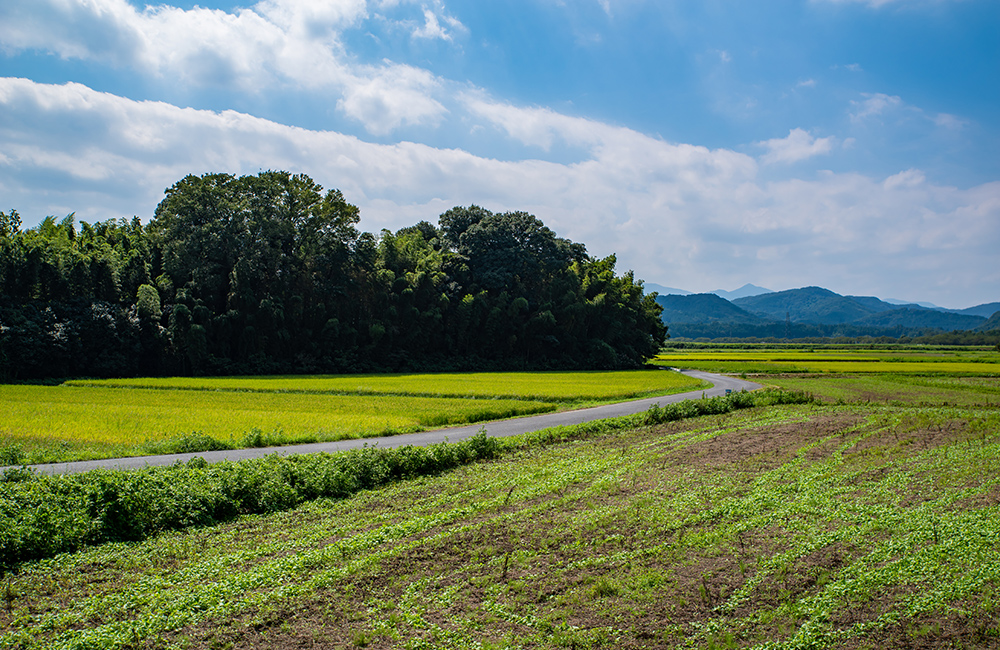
[
  {"x": 908, "y": 178},
  {"x": 392, "y": 96},
  {"x": 432, "y": 27},
  {"x": 799, "y": 145},
  {"x": 949, "y": 121},
  {"x": 874, "y": 104},
  {"x": 677, "y": 214},
  {"x": 537, "y": 127},
  {"x": 274, "y": 44}
]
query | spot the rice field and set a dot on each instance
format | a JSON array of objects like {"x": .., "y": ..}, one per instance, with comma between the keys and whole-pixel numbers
[
  {"x": 541, "y": 386},
  {"x": 969, "y": 362},
  {"x": 82, "y": 420}
]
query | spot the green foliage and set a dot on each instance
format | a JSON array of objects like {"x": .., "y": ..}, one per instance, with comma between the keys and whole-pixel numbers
[
  {"x": 268, "y": 274},
  {"x": 41, "y": 516},
  {"x": 148, "y": 302}
]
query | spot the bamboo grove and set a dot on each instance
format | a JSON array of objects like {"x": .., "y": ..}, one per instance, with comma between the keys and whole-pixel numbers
[{"x": 268, "y": 274}]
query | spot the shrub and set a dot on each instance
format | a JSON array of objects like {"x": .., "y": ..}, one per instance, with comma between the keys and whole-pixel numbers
[{"x": 44, "y": 515}]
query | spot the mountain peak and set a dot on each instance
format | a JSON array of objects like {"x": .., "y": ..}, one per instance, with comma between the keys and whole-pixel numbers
[{"x": 745, "y": 291}]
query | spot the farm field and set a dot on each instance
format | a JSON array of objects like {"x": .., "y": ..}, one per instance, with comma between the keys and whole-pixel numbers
[
  {"x": 82, "y": 420},
  {"x": 575, "y": 387},
  {"x": 856, "y": 525},
  {"x": 897, "y": 389},
  {"x": 955, "y": 362}
]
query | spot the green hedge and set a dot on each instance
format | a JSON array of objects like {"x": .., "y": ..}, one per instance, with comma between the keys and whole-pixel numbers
[{"x": 41, "y": 516}]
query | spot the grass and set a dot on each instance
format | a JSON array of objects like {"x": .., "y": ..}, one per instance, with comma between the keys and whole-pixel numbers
[
  {"x": 82, "y": 420},
  {"x": 852, "y": 526}
]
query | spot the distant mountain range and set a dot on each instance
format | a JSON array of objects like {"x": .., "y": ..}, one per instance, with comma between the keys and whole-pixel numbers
[
  {"x": 810, "y": 311},
  {"x": 742, "y": 292}
]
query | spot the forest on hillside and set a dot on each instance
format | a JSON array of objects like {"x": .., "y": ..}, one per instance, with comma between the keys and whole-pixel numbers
[{"x": 268, "y": 274}]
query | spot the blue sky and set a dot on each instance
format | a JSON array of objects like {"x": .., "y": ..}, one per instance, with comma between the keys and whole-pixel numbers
[{"x": 850, "y": 144}]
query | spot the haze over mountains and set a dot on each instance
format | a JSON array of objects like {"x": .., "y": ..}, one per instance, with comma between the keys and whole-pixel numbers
[{"x": 810, "y": 311}]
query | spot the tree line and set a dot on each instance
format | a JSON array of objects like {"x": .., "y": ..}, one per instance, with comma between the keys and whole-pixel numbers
[{"x": 269, "y": 274}]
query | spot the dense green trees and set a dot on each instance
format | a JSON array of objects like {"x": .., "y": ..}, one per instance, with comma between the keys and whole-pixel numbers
[{"x": 268, "y": 273}]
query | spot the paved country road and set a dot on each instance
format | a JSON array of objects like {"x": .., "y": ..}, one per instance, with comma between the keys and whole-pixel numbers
[{"x": 501, "y": 428}]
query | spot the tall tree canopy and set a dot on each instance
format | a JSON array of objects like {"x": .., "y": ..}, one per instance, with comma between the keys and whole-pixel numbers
[{"x": 269, "y": 273}]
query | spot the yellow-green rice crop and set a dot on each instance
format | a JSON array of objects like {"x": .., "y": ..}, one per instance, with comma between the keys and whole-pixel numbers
[
  {"x": 116, "y": 417},
  {"x": 99, "y": 419},
  {"x": 545, "y": 386},
  {"x": 837, "y": 361}
]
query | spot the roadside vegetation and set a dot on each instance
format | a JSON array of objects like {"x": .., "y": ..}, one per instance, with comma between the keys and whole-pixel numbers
[{"x": 82, "y": 420}]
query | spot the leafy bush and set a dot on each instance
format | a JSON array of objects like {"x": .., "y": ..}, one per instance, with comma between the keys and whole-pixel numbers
[
  {"x": 41, "y": 516},
  {"x": 192, "y": 443},
  {"x": 11, "y": 455}
]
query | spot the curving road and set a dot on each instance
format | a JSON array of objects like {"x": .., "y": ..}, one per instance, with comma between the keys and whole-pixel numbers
[{"x": 501, "y": 428}]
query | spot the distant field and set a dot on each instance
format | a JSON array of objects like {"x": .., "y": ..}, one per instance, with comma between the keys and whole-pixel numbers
[
  {"x": 101, "y": 419},
  {"x": 908, "y": 362}
]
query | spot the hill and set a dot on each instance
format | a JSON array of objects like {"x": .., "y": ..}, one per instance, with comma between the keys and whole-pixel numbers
[
  {"x": 808, "y": 305},
  {"x": 811, "y": 312},
  {"x": 922, "y": 318},
  {"x": 664, "y": 291},
  {"x": 703, "y": 308},
  {"x": 745, "y": 291},
  {"x": 992, "y": 323},
  {"x": 879, "y": 305},
  {"x": 986, "y": 310}
]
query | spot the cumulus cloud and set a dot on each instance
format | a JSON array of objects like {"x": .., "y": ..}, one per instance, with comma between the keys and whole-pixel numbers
[
  {"x": 799, "y": 145},
  {"x": 275, "y": 43},
  {"x": 677, "y": 214},
  {"x": 391, "y": 96}
]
